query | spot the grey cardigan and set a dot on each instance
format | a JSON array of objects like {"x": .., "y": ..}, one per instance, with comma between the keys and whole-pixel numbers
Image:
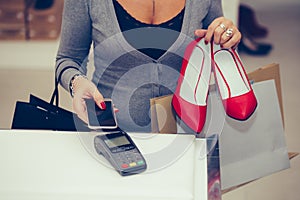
[{"x": 123, "y": 73}]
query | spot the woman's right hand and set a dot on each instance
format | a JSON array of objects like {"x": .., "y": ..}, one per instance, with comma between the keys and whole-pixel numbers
[{"x": 85, "y": 89}]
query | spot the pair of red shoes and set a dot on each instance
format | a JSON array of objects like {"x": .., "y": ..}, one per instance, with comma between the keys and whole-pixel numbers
[{"x": 190, "y": 97}]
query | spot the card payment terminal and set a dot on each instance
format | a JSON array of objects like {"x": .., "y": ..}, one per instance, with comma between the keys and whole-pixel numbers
[{"x": 119, "y": 149}]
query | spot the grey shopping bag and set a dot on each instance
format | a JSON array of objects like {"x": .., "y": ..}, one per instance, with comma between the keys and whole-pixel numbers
[{"x": 254, "y": 148}]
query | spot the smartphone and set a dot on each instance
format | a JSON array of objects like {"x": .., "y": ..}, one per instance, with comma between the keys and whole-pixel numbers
[{"x": 101, "y": 118}]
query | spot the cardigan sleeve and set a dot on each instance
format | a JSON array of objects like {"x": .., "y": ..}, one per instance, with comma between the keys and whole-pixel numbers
[
  {"x": 75, "y": 41},
  {"x": 215, "y": 11}
]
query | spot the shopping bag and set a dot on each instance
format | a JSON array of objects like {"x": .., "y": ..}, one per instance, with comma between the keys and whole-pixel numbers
[
  {"x": 39, "y": 114},
  {"x": 249, "y": 149},
  {"x": 269, "y": 72},
  {"x": 162, "y": 118},
  {"x": 43, "y": 115},
  {"x": 254, "y": 148}
]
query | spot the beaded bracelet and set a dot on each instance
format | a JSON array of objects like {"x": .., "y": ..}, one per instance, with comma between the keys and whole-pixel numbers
[{"x": 71, "y": 86}]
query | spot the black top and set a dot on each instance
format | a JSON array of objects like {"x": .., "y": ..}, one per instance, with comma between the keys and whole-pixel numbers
[{"x": 150, "y": 39}]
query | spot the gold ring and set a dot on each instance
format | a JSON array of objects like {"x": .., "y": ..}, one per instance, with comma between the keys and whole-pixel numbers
[
  {"x": 229, "y": 32},
  {"x": 223, "y": 26}
]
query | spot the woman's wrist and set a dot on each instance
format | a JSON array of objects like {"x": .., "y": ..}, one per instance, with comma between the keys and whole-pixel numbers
[{"x": 72, "y": 84}]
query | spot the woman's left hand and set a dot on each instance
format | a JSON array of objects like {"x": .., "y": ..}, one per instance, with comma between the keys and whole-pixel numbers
[{"x": 222, "y": 31}]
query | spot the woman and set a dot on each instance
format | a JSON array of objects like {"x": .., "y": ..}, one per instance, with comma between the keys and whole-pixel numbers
[{"x": 138, "y": 48}]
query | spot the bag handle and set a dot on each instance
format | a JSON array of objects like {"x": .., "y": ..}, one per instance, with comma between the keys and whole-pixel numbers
[{"x": 55, "y": 95}]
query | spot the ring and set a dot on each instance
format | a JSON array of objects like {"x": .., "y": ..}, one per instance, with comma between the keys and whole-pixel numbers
[
  {"x": 229, "y": 32},
  {"x": 223, "y": 27}
]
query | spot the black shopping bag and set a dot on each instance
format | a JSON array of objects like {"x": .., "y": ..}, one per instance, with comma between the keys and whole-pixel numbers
[{"x": 43, "y": 115}]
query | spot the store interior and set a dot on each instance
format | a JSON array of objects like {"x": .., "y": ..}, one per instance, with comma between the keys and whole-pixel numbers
[{"x": 27, "y": 67}]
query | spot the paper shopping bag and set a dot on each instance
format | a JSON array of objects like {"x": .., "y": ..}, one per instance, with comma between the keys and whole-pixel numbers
[
  {"x": 255, "y": 148},
  {"x": 269, "y": 72},
  {"x": 162, "y": 118}
]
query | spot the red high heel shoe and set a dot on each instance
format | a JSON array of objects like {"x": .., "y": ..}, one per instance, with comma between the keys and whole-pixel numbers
[
  {"x": 189, "y": 100},
  {"x": 236, "y": 92}
]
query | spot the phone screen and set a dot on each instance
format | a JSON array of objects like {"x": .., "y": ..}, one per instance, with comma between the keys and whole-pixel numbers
[{"x": 98, "y": 118}]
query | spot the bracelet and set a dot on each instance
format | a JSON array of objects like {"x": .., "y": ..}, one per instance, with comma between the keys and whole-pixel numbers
[{"x": 71, "y": 86}]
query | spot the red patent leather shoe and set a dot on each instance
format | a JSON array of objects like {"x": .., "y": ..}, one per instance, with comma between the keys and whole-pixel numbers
[
  {"x": 236, "y": 92},
  {"x": 189, "y": 100}
]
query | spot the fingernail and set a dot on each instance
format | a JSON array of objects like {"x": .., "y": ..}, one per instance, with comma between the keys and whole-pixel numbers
[{"x": 103, "y": 105}]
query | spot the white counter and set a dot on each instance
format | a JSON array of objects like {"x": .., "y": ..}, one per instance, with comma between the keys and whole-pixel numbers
[{"x": 59, "y": 165}]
